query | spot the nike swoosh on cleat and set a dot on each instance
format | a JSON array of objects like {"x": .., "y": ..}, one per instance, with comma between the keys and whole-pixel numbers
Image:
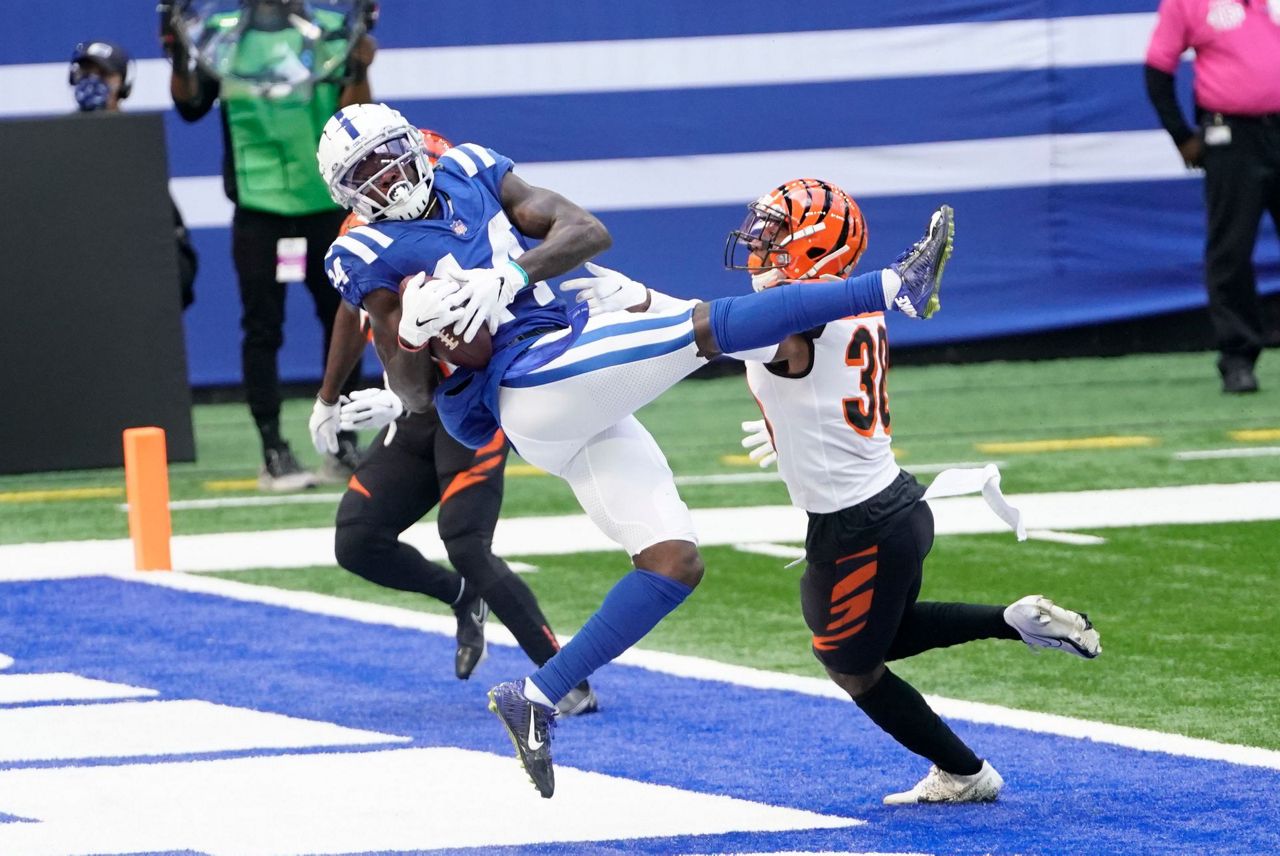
[{"x": 534, "y": 743}]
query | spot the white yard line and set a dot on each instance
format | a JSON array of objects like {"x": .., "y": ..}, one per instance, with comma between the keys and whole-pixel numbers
[
  {"x": 1076, "y": 538},
  {"x": 324, "y": 497},
  {"x": 777, "y": 551},
  {"x": 574, "y": 533},
  {"x": 702, "y": 669},
  {"x": 1214, "y": 454}
]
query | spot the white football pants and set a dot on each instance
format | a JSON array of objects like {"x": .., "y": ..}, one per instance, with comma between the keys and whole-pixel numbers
[{"x": 573, "y": 417}]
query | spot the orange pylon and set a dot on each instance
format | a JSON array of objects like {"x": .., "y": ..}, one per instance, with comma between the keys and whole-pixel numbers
[{"x": 146, "y": 477}]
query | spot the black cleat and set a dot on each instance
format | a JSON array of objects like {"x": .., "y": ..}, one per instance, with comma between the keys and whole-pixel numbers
[
  {"x": 472, "y": 613},
  {"x": 580, "y": 701},
  {"x": 921, "y": 267},
  {"x": 1239, "y": 380},
  {"x": 529, "y": 725}
]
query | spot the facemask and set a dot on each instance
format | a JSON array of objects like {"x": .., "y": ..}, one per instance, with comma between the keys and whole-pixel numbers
[{"x": 91, "y": 93}]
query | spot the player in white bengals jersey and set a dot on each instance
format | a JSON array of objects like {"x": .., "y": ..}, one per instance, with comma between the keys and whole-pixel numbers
[{"x": 825, "y": 400}]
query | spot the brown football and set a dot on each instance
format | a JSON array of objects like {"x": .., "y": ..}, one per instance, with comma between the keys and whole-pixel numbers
[{"x": 450, "y": 348}]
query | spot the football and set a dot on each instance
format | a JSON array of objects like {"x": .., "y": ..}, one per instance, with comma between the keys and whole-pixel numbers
[
  {"x": 469, "y": 355},
  {"x": 451, "y": 349}
]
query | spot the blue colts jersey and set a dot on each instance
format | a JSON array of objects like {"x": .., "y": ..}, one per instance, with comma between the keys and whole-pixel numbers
[{"x": 470, "y": 230}]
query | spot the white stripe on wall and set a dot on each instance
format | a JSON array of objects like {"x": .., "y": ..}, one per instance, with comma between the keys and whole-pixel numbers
[
  {"x": 679, "y": 63},
  {"x": 731, "y": 179}
]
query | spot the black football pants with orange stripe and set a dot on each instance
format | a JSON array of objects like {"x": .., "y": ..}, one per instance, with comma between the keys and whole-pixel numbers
[
  {"x": 862, "y": 609},
  {"x": 400, "y": 481}
]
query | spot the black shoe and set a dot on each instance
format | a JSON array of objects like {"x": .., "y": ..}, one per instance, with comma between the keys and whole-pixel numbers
[
  {"x": 580, "y": 701},
  {"x": 282, "y": 472},
  {"x": 529, "y": 725},
  {"x": 472, "y": 613},
  {"x": 1239, "y": 379},
  {"x": 341, "y": 466}
]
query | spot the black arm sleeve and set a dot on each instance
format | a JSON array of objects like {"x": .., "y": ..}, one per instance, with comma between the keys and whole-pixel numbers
[
  {"x": 1163, "y": 97},
  {"x": 203, "y": 102}
]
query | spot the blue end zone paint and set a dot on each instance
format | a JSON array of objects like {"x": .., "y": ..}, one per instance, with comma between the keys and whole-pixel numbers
[
  {"x": 770, "y": 746},
  {"x": 13, "y": 818}
]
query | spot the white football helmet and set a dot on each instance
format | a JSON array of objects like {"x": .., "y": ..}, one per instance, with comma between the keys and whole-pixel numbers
[{"x": 375, "y": 163}]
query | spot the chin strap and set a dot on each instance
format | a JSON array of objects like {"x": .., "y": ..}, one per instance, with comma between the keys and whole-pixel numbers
[{"x": 768, "y": 279}]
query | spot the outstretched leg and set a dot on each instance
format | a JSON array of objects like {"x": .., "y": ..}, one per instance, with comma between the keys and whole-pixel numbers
[
  {"x": 624, "y": 484},
  {"x": 927, "y": 625},
  {"x": 740, "y": 325},
  {"x": 855, "y": 605}
]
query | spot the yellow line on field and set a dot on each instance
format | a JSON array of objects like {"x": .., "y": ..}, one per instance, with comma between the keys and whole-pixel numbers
[
  {"x": 1255, "y": 435},
  {"x": 520, "y": 470},
  {"x": 232, "y": 484},
  {"x": 1067, "y": 444},
  {"x": 737, "y": 461},
  {"x": 60, "y": 495}
]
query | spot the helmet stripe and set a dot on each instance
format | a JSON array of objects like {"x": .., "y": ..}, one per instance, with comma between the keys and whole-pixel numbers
[{"x": 347, "y": 126}]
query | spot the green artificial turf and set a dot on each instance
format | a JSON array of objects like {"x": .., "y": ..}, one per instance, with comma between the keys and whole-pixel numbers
[
  {"x": 940, "y": 414},
  {"x": 1186, "y": 615}
]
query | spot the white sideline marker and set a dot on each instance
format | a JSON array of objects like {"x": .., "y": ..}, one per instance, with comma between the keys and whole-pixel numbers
[
  {"x": 399, "y": 800},
  {"x": 1213, "y": 454},
  {"x": 141, "y": 728},
  {"x": 778, "y": 551},
  {"x": 1078, "y": 538},
  {"x": 63, "y": 686}
]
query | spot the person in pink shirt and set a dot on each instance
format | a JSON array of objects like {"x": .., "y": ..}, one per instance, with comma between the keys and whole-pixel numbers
[{"x": 1236, "y": 142}]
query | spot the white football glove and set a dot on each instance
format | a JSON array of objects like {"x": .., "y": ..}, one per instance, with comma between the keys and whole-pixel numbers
[
  {"x": 484, "y": 293},
  {"x": 324, "y": 426},
  {"x": 759, "y": 443},
  {"x": 369, "y": 409},
  {"x": 606, "y": 290},
  {"x": 426, "y": 308}
]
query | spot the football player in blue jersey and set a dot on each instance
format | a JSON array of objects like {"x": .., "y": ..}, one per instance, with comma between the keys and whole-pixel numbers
[
  {"x": 563, "y": 388},
  {"x": 412, "y": 466}
]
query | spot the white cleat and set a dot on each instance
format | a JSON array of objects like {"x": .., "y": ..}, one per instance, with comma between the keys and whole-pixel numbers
[
  {"x": 940, "y": 786},
  {"x": 1043, "y": 624}
]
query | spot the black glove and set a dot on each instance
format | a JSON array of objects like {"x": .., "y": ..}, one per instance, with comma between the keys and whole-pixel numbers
[
  {"x": 174, "y": 47},
  {"x": 371, "y": 12},
  {"x": 168, "y": 35}
]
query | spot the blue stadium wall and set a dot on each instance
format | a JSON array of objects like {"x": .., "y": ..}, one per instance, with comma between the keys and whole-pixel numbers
[{"x": 667, "y": 117}]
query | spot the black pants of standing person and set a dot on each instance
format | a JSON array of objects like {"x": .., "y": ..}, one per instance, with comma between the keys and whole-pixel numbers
[
  {"x": 254, "y": 235},
  {"x": 1242, "y": 182}
]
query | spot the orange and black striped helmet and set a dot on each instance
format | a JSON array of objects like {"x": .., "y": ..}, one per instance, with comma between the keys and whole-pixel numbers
[{"x": 803, "y": 229}]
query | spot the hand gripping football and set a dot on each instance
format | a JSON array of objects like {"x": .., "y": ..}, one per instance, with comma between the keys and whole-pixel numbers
[{"x": 448, "y": 346}]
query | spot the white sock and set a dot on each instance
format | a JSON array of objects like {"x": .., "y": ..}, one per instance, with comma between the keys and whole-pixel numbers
[
  {"x": 532, "y": 693},
  {"x": 892, "y": 284}
]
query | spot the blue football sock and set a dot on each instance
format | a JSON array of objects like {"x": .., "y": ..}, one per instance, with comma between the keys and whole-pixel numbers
[
  {"x": 755, "y": 320},
  {"x": 630, "y": 610}
]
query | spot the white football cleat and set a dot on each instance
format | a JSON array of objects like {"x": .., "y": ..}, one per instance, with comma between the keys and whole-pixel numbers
[
  {"x": 1043, "y": 624},
  {"x": 940, "y": 786}
]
